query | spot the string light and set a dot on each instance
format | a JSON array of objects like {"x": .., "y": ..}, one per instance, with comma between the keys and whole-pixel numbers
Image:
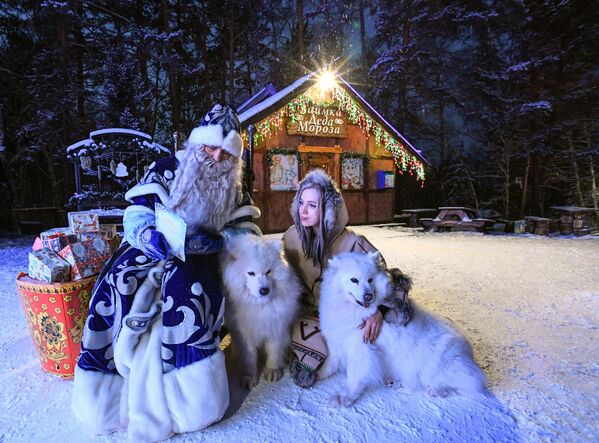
[{"x": 403, "y": 159}]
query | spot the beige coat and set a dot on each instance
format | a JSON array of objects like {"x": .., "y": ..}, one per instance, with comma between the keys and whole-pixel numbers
[{"x": 344, "y": 240}]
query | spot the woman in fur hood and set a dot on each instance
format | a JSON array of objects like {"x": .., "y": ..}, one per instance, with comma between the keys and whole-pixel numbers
[{"x": 319, "y": 232}]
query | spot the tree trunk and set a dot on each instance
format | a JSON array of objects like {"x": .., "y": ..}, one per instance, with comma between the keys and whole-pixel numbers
[
  {"x": 275, "y": 33},
  {"x": 524, "y": 187},
  {"x": 403, "y": 83},
  {"x": 300, "y": 33},
  {"x": 231, "y": 59},
  {"x": 594, "y": 190},
  {"x": 575, "y": 170},
  {"x": 79, "y": 55},
  {"x": 173, "y": 78},
  {"x": 364, "y": 51},
  {"x": 506, "y": 186},
  {"x": 57, "y": 191}
]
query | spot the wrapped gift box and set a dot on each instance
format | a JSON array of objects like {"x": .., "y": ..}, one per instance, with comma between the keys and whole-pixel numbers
[
  {"x": 55, "y": 314},
  {"x": 37, "y": 244},
  {"x": 86, "y": 236},
  {"x": 57, "y": 238},
  {"x": 114, "y": 241},
  {"x": 108, "y": 231},
  {"x": 84, "y": 221},
  {"x": 46, "y": 266},
  {"x": 86, "y": 257}
]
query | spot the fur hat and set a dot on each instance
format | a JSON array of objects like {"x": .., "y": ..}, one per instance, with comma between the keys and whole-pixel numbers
[
  {"x": 333, "y": 206},
  {"x": 220, "y": 127}
]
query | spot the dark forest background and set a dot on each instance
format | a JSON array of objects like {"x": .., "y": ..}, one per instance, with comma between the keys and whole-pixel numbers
[{"x": 501, "y": 96}]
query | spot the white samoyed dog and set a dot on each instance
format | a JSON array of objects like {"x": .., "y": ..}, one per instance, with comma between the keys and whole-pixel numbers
[
  {"x": 428, "y": 354},
  {"x": 261, "y": 302}
]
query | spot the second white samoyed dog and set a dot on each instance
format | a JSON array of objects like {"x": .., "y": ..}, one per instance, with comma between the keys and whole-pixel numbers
[
  {"x": 428, "y": 354},
  {"x": 261, "y": 302}
]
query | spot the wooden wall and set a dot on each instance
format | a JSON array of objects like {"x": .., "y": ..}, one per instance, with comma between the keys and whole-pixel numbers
[{"x": 364, "y": 206}]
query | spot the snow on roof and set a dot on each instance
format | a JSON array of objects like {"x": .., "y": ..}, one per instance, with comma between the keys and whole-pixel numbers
[
  {"x": 119, "y": 131},
  {"x": 259, "y": 96},
  {"x": 283, "y": 94},
  {"x": 272, "y": 100},
  {"x": 86, "y": 142},
  {"x": 392, "y": 129},
  {"x": 73, "y": 149}
]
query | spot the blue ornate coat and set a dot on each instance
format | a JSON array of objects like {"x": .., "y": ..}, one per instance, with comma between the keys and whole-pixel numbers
[{"x": 150, "y": 359}]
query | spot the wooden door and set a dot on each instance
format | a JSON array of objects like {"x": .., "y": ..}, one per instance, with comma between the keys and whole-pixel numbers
[{"x": 326, "y": 161}]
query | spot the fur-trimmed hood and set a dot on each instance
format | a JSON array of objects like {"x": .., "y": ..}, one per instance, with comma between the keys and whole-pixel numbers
[{"x": 334, "y": 209}]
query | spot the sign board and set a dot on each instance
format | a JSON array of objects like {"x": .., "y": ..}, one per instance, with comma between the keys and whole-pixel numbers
[{"x": 318, "y": 121}]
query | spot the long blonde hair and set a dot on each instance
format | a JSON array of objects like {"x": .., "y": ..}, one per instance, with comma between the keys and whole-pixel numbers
[{"x": 313, "y": 241}]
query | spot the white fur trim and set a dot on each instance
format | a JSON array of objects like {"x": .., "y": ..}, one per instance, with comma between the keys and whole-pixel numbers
[
  {"x": 139, "y": 209},
  {"x": 96, "y": 400},
  {"x": 147, "y": 189},
  {"x": 149, "y": 417},
  {"x": 244, "y": 211},
  {"x": 233, "y": 143},
  {"x": 197, "y": 395},
  {"x": 211, "y": 135}
]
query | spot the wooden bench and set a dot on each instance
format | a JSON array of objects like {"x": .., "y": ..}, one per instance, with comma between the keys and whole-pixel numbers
[
  {"x": 426, "y": 223},
  {"x": 574, "y": 219},
  {"x": 453, "y": 218},
  {"x": 539, "y": 225},
  {"x": 413, "y": 216}
]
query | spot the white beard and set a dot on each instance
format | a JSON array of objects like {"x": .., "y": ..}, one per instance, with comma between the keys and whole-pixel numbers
[{"x": 205, "y": 192}]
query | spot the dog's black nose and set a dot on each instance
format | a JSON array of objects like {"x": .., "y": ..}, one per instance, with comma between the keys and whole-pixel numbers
[
  {"x": 264, "y": 291},
  {"x": 368, "y": 297}
]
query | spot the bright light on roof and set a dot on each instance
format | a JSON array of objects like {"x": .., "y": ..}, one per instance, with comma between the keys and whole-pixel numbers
[{"x": 327, "y": 81}]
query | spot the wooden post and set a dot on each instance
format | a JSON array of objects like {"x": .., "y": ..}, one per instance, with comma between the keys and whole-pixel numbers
[
  {"x": 249, "y": 165},
  {"x": 77, "y": 164}
]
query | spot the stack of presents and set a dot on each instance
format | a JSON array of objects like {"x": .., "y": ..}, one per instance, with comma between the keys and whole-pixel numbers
[{"x": 63, "y": 267}]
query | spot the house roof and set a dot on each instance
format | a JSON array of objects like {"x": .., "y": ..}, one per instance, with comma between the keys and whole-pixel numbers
[
  {"x": 259, "y": 96},
  {"x": 267, "y": 106},
  {"x": 80, "y": 148}
]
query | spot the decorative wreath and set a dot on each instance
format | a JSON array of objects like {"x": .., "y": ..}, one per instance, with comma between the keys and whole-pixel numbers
[
  {"x": 361, "y": 155},
  {"x": 283, "y": 151}
]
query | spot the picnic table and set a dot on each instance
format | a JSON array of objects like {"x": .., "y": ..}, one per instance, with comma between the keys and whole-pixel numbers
[
  {"x": 413, "y": 216},
  {"x": 456, "y": 217},
  {"x": 574, "y": 219}
]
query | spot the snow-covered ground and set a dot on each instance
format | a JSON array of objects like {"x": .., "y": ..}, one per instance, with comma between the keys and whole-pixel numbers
[{"x": 529, "y": 305}]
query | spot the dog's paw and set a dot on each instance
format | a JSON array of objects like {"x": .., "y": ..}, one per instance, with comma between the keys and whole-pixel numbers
[
  {"x": 339, "y": 401},
  {"x": 271, "y": 375},
  {"x": 248, "y": 381}
]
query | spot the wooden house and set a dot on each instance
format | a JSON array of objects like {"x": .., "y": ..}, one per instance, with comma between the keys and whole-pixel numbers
[{"x": 321, "y": 121}]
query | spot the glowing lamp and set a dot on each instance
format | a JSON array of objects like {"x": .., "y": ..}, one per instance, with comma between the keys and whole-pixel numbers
[{"x": 327, "y": 81}]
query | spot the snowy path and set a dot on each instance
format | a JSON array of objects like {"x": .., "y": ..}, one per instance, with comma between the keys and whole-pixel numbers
[{"x": 529, "y": 305}]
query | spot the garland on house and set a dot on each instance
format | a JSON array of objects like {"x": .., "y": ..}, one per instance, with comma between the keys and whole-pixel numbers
[
  {"x": 403, "y": 159},
  {"x": 284, "y": 151}
]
